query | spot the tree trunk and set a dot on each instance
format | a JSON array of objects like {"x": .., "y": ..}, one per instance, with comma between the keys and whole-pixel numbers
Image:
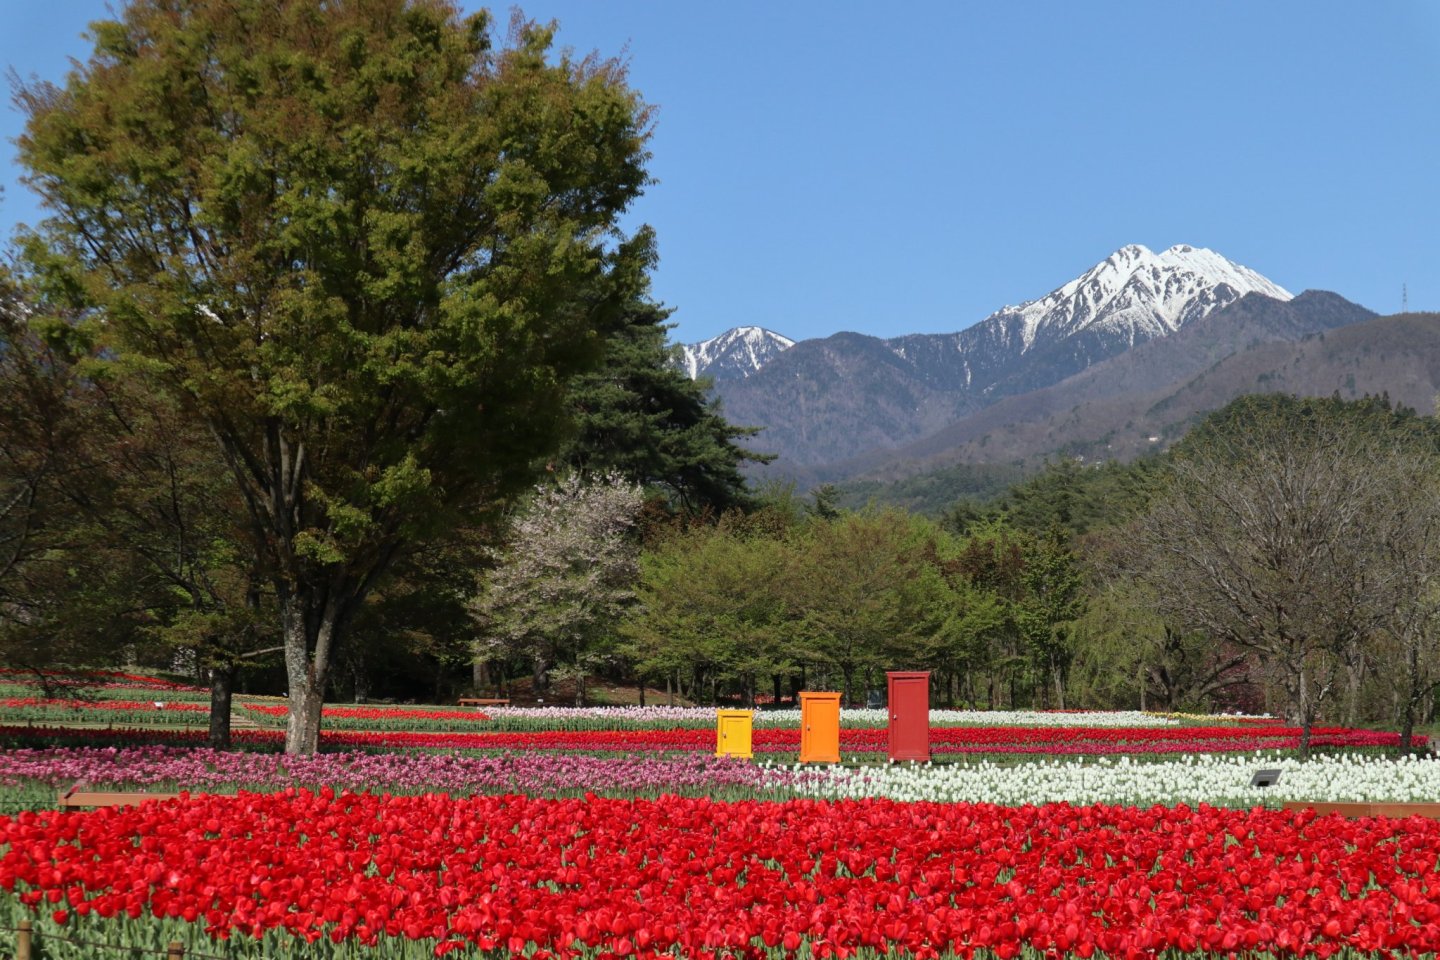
[
  {"x": 306, "y": 672},
  {"x": 1407, "y": 729},
  {"x": 539, "y": 676},
  {"x": 302, "y": 728},
  {"x": 359, "y": 675},
  {"x": 1305, "y": 720},
  {"x": 1412, "y": 699},
  {"x": 640, "y": 682},
  {"x": 669, "y": 689},
  {"x": 1354, "y": 677},
  {"x": 775, "y": 680},
  {"x": 222, "y": 684}
]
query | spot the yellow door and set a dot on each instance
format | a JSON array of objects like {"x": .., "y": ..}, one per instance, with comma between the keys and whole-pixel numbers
[
  {"x": 819, "y": 728},
  {"x": 732, "y": 733}
]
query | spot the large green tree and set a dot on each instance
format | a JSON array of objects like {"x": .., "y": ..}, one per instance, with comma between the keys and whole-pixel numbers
[
  {"x": 865, "y": 595},
  {"x": 359, "y": 244},
  {"x": 1019, "y": 593},
  {"x": 709, "y": 610},
  {"x": 47, "y": 557}
]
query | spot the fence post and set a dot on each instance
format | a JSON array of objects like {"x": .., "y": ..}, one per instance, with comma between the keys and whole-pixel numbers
[
  {"x": 22, "y": 941},
  {"x": 176, "y": 951}
]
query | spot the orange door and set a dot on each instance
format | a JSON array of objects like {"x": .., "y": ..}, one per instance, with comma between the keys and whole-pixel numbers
[{"x": 819, "y": 728}]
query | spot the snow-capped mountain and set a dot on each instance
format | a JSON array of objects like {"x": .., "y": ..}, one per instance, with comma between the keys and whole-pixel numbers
[
  {"x": 823, "y": 400},
  {"x": 1131, "y": 296},
  {"x": 1136, "y": 294},
  {"x": 733, "y": 355}
]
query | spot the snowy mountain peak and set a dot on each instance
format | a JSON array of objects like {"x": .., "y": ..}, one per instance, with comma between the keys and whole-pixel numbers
[
  {"x": 1135, "y": 294},
  {"x": 733, "y": 355}
]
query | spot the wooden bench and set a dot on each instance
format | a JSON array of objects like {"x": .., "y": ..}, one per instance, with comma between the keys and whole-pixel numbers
[
  {"x": 1431, "y": 810},
  {"x": 74, "y": 799},
  {"x": 482, "y": 702}
]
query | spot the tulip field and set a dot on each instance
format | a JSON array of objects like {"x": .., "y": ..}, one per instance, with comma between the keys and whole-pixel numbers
[
  {"x": 382, "y": 718},
  {"x": 305, "y": 874},
  {"x": 608, "y": 833}
]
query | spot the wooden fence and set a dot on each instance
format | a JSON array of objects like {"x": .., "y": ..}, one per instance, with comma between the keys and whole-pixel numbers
[{"x": 25, "y": 937}]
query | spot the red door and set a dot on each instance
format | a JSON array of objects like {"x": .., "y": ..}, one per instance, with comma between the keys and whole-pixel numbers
[{"x": 909, "y": 714}]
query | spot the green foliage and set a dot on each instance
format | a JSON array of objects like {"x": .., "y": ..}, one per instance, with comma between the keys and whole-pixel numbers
[
  {"x": 1019, "y": 595},
  {"x": 709, "y": 605},
  {"x": 361, "y": 248},
  {"x": 863, "y": 592},
  {"x": 935, "y": 492},
  {"x": 639, "y": 415},
  {"x": 414, "y": 633},
  {"x": 823, "y": 501},
  {"x": 778, "y": 597},
  {"x": 1281, "y": 415},
  {"x": 131, "y": 534},
  {"x": 1068, "y": 496}
]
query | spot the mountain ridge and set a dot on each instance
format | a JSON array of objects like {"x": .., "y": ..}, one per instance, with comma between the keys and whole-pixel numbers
[
  {"x": 1119, "y": 394},
  {"x": 831, "y": 399},
  {"x": 734, "y": 354}
]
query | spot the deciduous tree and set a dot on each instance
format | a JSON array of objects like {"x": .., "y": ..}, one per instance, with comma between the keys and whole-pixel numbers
[
  {"x": 141, "y": 530},
  {"x": 864, "y": 595},
  {"x": 361, "y": 245},
  {"x": 710, "y": 610},
  {"x": 568, "y": 573},
  {"x": 1266, "y": 538}
]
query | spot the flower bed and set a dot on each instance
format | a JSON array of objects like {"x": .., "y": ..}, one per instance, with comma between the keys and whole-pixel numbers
[
  {"x": 40, "y": 710},
  {"x": 699, "y": 718},
  {"x": 978, "y": 741},
  {"x": 42, "y": 772},
  {"x": 381, "y": 718},
  {"x": 111, "y": 679},
  {"x": 1218, "y": 780},
  {"x": 612, "y": 878},
  {"x": 1012, "y": 741}
]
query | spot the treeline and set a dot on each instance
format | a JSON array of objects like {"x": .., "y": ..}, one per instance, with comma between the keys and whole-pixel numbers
[
  {"x": 1283, "y": 558},
  {"x": 776, "y": 601}
]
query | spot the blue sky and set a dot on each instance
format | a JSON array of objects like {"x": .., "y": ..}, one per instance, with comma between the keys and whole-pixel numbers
[{"x": 827, "y": 166}]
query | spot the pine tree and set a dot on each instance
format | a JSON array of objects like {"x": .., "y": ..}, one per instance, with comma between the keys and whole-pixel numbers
[{"x": 639, "y": 415}]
